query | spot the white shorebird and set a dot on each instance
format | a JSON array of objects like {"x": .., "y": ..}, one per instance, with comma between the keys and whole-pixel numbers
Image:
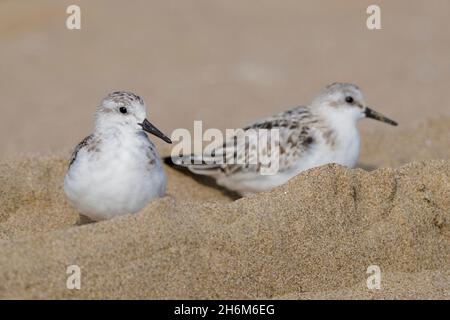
[
  {"x": 309, "y": 136},
  {"x": 116, "y": 170}
]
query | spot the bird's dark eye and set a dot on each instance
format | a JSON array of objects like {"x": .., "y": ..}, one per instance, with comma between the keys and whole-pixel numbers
[
  {"x": 123, "y": 110},
  {"x": 349, "y": 99}
]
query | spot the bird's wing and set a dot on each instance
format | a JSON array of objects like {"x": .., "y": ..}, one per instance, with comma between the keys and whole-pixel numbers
[
  {"x": 294, "y": 139},
  {"x": 80, "y": 146}
]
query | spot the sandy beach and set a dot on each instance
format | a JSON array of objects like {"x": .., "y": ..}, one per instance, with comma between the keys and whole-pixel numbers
[{"x": 228, "y": 63}]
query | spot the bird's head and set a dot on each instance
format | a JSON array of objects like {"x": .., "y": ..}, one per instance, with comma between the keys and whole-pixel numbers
[
  {"x": 127, "y": 110},
  {"x": 347, "y": 99}
]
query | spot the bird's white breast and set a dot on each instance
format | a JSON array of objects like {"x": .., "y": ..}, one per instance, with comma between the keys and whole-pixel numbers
[
  {"x": 116, "y": 179},
  {"x": 338, "y": 141},
  {"x": 346, "y": 148}
]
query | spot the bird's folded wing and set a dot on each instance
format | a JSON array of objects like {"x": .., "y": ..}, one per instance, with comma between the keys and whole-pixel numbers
[
  {"x": 242, "y": 152},
  {"x": 81, "y": 145}
]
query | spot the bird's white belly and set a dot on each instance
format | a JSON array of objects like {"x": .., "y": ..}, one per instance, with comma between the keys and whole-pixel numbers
[
  {"x": 113, "y": 184},
  {"x": 345, "y": 153}
]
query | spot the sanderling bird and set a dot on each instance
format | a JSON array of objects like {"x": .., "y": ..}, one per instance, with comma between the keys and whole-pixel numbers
[
  {"x": 117, "y": 169},
  {"x": 309, "y": 136}
]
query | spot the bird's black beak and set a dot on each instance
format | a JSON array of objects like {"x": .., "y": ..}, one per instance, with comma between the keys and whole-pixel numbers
[
  {"x": 147, "y": 126},
  {"x": 378, "y": 116}
]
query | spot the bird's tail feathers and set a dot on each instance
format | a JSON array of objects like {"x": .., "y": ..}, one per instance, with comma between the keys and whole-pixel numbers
[{"x": 196, "y": 164}]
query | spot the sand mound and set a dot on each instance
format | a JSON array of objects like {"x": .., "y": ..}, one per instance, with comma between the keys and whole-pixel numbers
[{"x": 312, "y": 238}]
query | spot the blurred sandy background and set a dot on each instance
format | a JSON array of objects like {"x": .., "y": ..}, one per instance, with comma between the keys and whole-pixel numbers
[
  {"x": 224, "y": 62},
  {"x": 228, "y": 63}
]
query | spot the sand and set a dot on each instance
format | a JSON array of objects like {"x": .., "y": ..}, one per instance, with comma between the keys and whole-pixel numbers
[
  {"x": 311, "y": 238},
  {"x": 228, "y": 63}
]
